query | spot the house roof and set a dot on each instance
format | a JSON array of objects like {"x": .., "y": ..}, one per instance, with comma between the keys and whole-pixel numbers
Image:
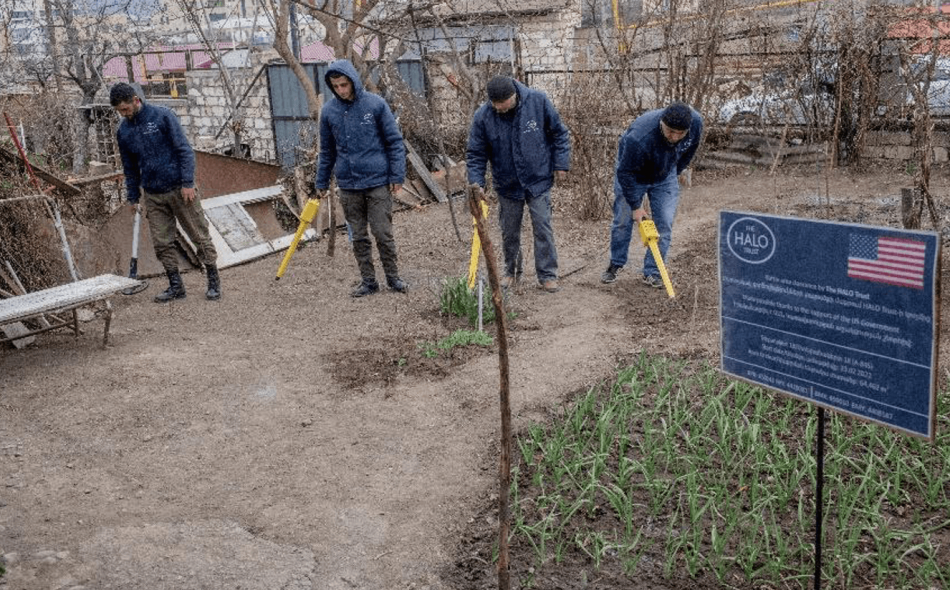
[
  {"x": 160, "y": 60},
  {"x": 919, "y": 25},
  {"x": 320, "y": 52},
  {"x": 165, "y": 59}
]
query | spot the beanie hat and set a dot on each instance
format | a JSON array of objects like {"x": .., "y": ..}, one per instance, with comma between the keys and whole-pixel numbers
[
  {"x": 500, "y": 88},
  {"x": 677, "y": 116}
]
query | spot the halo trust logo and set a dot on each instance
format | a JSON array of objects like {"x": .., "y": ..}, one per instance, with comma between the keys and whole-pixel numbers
[{"x": 750, "y": 240}]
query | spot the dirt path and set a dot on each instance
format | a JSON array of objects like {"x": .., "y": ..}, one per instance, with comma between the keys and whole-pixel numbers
[{"x": 291, "y": 437}]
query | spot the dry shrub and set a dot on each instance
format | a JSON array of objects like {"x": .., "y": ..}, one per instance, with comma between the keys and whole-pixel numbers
[
  {"x": 28, "y": 240},
  {"x": 49, "y": 122},
  {"x": 595, "y": 123}
]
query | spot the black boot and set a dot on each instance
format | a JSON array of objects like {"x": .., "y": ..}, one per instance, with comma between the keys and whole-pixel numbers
[
  {"x": 397, "y": 284},
  {"x": 214, "y": 282},
  {"x": 175, "y": 290},
  {"x": 366, "y": 287}
]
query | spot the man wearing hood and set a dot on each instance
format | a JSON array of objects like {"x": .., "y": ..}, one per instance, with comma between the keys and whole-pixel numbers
[
  {"x": 653, "y": 151},
  {"x": 521, "y": 134},
  {"x": 361, "y": 144}
]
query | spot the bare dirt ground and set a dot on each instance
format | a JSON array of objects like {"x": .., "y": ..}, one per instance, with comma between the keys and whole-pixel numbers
[{"x": 289, "y": 436}]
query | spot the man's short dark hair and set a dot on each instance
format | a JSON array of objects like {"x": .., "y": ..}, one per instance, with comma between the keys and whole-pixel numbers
[{"x": 121, "y": 93}]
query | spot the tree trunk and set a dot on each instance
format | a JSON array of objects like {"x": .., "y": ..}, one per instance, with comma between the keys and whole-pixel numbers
[
  {"x": 53, "y": 45},
  {"x": 282, "y": 28}
]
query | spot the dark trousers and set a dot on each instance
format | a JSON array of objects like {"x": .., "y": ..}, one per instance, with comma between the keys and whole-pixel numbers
[{"x": 366, "y": 211}]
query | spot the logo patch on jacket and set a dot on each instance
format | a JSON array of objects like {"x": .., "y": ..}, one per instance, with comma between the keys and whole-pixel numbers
[
  {"x": 531, "y": 127},
  {"x": 150, "y": 128},
  {"x": 367, "y": 119}
]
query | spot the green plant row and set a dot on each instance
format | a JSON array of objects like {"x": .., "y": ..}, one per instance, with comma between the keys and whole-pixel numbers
[
  {"x": 457, "y": 338},
  {"x": 706, "y": 474},
  {"x": 458, "y": 300}
]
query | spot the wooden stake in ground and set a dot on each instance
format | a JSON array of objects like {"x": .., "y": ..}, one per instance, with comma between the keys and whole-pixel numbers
[
  {"x": 475, "y": 199},
  {"x": 331, "y": 220}
]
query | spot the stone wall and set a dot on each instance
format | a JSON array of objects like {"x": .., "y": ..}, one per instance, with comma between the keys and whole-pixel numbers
[
  {"x": 547, "y": 44},
  {"x": 206, "y": 111},
  {"x": 897, "y": 146}
]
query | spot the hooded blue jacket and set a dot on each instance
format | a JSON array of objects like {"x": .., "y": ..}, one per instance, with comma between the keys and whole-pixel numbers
[
  {"x": 524, "y": 148},
  {"x": 646, "y": 157},
  {"x": 359, "y": 139},
  {"x": 155, "y": 153}
]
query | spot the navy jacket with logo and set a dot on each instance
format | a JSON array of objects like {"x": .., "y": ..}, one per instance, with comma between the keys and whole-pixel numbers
[
  {"x": 524, "y": 149},
  {"x": 359, "y": 139},
  {"x": 646, "y": 157},
  {"x": 156, "y": 155}
]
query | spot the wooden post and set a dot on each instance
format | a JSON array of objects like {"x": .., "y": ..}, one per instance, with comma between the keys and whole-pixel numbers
[
  {"x": 423, "y": 173},
  {"x": 475, "y": 198},
  {"x": 910, "y": 208},
  {"x": 331, "y": 220}
]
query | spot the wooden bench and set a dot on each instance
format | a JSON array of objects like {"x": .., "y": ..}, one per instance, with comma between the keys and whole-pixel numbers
[{"x": 68, "y": 298}]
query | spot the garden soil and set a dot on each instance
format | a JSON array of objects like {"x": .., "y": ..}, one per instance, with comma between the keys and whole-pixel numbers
[{"x": 290, "y": 437}]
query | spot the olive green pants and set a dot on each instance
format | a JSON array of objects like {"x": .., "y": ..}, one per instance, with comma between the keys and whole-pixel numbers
[{"x": 163, "y": 210}]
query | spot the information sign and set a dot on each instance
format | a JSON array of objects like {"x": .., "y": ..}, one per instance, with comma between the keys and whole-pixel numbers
[{"x": 841, "y": 315}]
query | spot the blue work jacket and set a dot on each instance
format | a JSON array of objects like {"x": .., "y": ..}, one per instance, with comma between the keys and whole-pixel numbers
[
  {"x": 360, "y": 141},
  {"x": 155, "y": 153},
  {"x": 524, "y": 147}
]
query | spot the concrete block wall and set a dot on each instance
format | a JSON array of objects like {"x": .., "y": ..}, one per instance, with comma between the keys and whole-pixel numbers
[
  {"x": 208, "y": 110},
  {"x": 897, "y": 146},
  {"x": 547, "y": 47}
]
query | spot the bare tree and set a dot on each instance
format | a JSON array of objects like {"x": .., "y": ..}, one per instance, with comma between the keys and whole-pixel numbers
[
  {"x": 235, "y": 84},
  {"x": 90, "y": 34},
  {"x": 279, "y": 11}
]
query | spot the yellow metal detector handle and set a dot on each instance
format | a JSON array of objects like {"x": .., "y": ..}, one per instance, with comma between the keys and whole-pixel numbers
[
  {"x": 476, "y": 248},
  {"x": 651, "y": 238},
  {"x": 306, "y": 218}
]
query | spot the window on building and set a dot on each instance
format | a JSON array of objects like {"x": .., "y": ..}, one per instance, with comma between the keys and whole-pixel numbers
[{"x": 597, "y": 13}]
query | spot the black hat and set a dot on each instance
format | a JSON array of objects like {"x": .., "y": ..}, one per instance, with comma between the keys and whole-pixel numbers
[
  {"x": 677, "y": 116},
  {"x": 500, "y": 88}
]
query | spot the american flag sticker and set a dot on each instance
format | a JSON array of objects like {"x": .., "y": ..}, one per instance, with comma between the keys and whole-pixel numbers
[{"x": 895, "y": 261}]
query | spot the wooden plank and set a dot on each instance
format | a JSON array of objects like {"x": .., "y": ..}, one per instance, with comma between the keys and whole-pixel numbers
[
  {"x": 423, "y": 173},
  {"x": 114, "y": 175},
  {"x": 252, "y": 196},
  {"x": 62, "y": 297},
  {"x": 235, "y": 225},
  {"x": 18, "y": 334}
]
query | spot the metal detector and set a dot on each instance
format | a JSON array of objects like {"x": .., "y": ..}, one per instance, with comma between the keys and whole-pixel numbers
[{"x": 134, "y": 262}]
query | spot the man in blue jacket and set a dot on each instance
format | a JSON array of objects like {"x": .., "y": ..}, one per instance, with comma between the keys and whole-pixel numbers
[
  {"x": 653, "y": 151},
  {"x": 361, "y": 143},
  {"x": 520, "y": 133},
  {"x": 159, "y": 165}
]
